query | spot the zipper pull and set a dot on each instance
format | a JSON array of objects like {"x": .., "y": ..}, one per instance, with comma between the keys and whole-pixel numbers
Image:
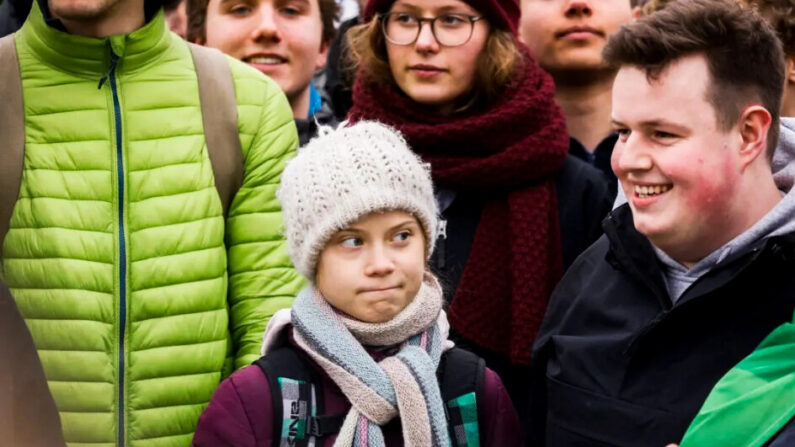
[
  {"x": 440, "y": 243},
  {"x": 113, "y": 61}
]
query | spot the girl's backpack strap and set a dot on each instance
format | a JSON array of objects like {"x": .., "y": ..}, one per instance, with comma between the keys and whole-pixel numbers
[
  {"x": 12, "y": 133},
  {"x": 462, "y": 375},
  {"x": 295, "y": 387},
  {"x": 297, "y": 399}
]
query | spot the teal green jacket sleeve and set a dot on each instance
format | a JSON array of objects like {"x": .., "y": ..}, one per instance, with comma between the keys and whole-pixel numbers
[{"x": 261, "y": 277}]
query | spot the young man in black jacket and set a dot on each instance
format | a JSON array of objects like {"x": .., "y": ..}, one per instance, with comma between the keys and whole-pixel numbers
[
  {"x": 28, "y": 417},
  {"x": 697, "y": 268}
]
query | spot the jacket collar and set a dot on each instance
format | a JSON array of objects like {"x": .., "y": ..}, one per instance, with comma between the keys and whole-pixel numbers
[
  {"x": 631, "y": 252},
  {"x": 90, "y": 57}
]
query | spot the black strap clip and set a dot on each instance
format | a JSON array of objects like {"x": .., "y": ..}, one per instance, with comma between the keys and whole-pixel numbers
[{"x": 319, "y": 426}]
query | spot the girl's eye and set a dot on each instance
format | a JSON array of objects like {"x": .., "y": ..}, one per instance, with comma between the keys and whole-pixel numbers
[
  {"x": 402, "y": 236},
  {"x": 404, "y": 19},
  {"x": 290, "y": 11},
  {"x": 451, "y": 20},
  {"x": 240, "y": 10},
  {"x": 352, "y": 242}
]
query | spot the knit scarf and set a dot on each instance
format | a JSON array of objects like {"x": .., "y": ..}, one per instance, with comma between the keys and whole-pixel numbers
[
  {"x": 753, "y": 401},
  {"x": 511, "y": 150},
  {"x": 403, "y": 384}
]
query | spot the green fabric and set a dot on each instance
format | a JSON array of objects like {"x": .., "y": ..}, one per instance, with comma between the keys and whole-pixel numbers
[
  {"x": 62, "y": 254},
  {"x": 467, "y": 433},
  {"x": 753, "y": 401}
]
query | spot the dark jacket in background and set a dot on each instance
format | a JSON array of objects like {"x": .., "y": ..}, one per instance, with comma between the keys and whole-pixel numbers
[
  {"x": 599, "y": 158},
  {"x": 617, "y": 364},
  {"x": 339, "y": 81},
  {"x": 13, "y": 14},
  {"x": 583, "y": 201},
  {"x": 785, "y": 437},
  {"x": 307, "y": 128},
  {"x": 28, "y": 417}
]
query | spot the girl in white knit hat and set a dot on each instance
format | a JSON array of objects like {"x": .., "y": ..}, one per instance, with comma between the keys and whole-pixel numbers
[{"x": 362, "y": 357}]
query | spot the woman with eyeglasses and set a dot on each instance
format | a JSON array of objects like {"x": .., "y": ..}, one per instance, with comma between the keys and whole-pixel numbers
[{"x": 471, "y": 100}]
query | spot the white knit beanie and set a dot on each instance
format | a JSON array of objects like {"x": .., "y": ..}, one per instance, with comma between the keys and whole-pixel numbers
[{"x": 345, "y": 174}]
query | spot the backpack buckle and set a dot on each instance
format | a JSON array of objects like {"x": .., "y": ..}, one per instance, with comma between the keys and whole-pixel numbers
[{"x": 319, "y": 426}]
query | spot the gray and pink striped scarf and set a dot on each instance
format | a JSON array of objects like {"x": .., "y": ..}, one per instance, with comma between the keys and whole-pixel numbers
[{"x": 403, "y": 384}]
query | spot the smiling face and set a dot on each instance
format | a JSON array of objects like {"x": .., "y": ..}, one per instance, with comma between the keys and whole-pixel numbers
[
  {"x": 567, "y": 35},
  {"x": 374, "y": 268},
  {"x": 431, "y": 74},
  {"x": 281, "y": 38},
  {"x": 679, "y": 170}
]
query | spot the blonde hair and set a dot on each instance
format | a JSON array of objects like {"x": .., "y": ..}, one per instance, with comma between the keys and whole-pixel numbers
[{"x": 497, "y": 63}]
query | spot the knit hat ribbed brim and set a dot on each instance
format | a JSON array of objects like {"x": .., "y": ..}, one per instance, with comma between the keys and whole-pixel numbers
[{"x": 344, "y": 175}]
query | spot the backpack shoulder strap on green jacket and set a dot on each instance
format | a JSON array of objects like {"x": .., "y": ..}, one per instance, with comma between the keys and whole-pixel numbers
[
  {"x": 12, "y": 132},
  {"x": 219, "y": 116}
]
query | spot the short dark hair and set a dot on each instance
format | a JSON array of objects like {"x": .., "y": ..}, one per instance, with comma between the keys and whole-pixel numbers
[
  {"x": 744, "y": 56},
  {"x": 652, "y": 6},
  {"x": 781, "y": 16},
  {"x": 196, "y": 10}
]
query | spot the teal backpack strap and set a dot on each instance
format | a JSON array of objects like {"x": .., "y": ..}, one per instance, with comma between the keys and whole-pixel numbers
[
  {"x": 12, "y": 133},
  {"x": 461, "y": 379},
  {"x": 219, "y": 118},
  {"x": 297, "y": 399}
]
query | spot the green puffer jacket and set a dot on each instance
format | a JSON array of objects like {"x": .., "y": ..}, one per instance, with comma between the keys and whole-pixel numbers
[{"x": 116, "y": 251}]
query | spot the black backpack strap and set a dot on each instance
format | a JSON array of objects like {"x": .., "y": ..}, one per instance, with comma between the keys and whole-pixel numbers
[
  {"x": 297, "y": 397},
  {"x": 461, "y": 378}
]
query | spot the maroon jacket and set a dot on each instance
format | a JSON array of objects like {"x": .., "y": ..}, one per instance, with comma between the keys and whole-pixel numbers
[{"x": 240, "y": 413}]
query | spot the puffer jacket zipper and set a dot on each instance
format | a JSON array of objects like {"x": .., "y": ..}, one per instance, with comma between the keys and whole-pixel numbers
[{"x": 110, "y": 76}]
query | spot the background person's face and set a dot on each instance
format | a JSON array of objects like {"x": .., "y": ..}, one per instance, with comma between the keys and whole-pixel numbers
[
  {"x": 374, "y": 268},
  {"x": 569, "y": 35},
  {"x": 678, "y": 169},
  {"x": 281, "y": 38},
  {"x": 431, "y": 74},
  {"x": 83, "y": 10}
]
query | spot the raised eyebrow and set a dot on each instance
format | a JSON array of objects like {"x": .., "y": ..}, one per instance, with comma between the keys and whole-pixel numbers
[
  {"x": 350, "y": 230},
  {"x": 406, "y": 223}
]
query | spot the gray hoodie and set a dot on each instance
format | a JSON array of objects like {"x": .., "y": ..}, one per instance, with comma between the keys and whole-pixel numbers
[{"x": 778, "y": 221}]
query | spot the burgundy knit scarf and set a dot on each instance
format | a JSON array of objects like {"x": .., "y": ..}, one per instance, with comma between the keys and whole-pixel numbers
[{"x": 512, "y": 150}]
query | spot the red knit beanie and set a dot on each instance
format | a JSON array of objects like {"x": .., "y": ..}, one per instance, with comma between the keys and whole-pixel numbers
[{"x": 502, "y": 14}]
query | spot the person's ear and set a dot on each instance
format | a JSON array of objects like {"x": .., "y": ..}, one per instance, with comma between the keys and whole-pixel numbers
[
  {"x": 322, "y": 56},
  {"x": 637, "y": 12},
  {"x": 754, "y": 124},
  {"x": 791, "y": 69}
]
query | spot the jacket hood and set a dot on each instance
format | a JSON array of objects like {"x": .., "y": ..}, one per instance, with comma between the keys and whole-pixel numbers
[{"x": 784, "y": 157}]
